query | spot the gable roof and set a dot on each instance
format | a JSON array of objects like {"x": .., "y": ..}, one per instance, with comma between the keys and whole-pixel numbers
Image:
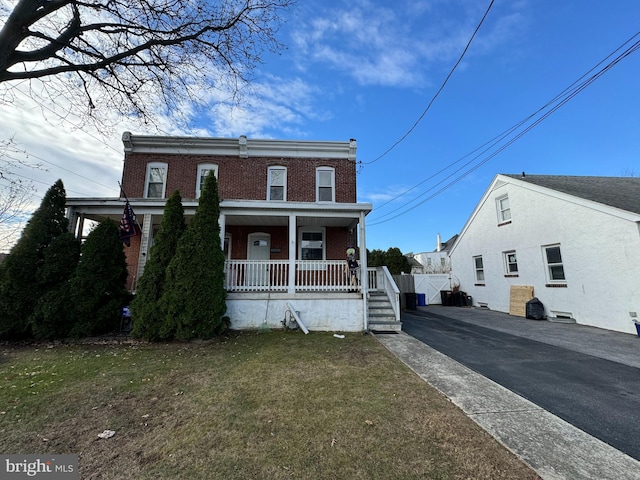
[{"x": 618, "y": 192}]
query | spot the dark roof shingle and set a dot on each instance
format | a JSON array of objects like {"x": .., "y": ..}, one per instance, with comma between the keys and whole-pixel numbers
[{"x": 618, "y": 192}]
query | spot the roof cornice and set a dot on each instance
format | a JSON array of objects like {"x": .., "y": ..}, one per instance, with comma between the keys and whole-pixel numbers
[{"x": 242, "y": 147}]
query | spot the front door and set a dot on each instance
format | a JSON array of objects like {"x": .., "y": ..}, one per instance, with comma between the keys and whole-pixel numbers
[{"x": 259, "y": 249}]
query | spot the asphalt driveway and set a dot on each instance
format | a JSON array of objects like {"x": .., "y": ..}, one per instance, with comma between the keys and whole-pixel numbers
[{"x": 586, "y": 376}]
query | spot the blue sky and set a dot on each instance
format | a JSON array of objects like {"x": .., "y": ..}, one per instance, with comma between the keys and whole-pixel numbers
[{"x": 368, "y": 69}]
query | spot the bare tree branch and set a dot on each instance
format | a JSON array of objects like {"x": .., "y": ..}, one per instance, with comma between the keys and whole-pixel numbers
[{"x": 128, "y": 52}]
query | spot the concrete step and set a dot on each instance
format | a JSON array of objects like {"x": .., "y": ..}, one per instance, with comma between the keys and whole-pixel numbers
[{"x": 385, "y": 326}]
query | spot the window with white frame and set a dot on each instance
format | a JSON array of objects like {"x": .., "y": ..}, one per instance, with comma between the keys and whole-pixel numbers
[
  {"x": 504, "y": 210},
  {"x": 553, "y": 259},
  {"x": 156, "y": 180},
  {"x": 325, "y": 184},
  {"x": 277, "y": 183},
  {"x": 479, "y": 268},
  {"x": 312, "y": 244},
  {"x": 510, "y": 262},
  {"x": 204, "y": 169}
]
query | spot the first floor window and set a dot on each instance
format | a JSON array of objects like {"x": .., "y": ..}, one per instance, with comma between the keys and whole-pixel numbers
[
  {"x": 156, "y": 180},
  {"x": 510, "y": 262},
  {"x": 312, "y": 245},
  {"x": 479, "y": 268},
  {"x": 553, "y": 258}
]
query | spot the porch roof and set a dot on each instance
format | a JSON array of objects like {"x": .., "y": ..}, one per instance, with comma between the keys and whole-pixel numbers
[{"x": 236, "y": 212}]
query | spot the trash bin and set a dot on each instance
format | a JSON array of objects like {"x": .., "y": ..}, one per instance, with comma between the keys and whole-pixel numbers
[
  {"x": 422, "y": 299},
  {"x": 446, "y": 297},
  {"x": 637, "y": 327},
  {"x": 534, "y": 309},
  {"x": 410, "y": 300}
]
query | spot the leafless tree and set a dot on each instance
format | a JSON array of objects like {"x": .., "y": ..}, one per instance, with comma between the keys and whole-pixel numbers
[
  {"x": 133, "y": 56},
  {"x": 16, "y": 193}
]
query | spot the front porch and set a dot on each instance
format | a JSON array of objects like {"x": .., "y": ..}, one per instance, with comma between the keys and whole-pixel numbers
[{"x": 263, "y": 293}]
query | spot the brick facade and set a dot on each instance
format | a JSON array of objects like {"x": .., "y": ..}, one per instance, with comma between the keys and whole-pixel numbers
[{"x": 240, "y": 178}]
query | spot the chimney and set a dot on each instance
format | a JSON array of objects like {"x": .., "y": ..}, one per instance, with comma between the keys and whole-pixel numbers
[{"x": 439, "y": 244}]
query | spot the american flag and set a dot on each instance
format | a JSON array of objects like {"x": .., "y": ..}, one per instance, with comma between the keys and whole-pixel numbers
[{"x": 128, "y": 227}]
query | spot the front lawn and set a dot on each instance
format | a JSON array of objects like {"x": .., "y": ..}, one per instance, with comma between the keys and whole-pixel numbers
[{"x": 266, "y": 406}]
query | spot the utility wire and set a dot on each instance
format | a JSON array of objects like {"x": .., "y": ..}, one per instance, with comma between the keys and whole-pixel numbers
[
  {"x": 561, "y": 99},
  {"x": 437, "y": 93}
]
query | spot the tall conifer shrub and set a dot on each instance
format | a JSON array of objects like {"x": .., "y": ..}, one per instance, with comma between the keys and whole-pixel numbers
[
  {"x": 146, "y": 309},
  {"x": 194, "y": 296},
  {"x": 20, "y": 287}
]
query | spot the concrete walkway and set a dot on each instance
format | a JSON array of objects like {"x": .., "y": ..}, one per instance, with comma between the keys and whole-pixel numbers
[{"x": 552, "y": 447}]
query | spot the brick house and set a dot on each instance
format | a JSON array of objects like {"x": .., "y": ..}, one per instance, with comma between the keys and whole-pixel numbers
[{"x": 288, "y": 214}]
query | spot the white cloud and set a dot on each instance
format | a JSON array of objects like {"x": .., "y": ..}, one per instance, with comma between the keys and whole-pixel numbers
[{"x": 398, "y": 46}]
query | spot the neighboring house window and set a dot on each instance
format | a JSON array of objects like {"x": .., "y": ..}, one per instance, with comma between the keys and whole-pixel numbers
[
  {"x": 479, "y": 268},
  {"x": 504, "y": 211},
  {"x": 277, "y": 183},
  {"x": 510, "y": 262},
  {"x": 553, "y": 258},
  {"x": 325, "y": 184},
  {"x": 156, "y": 180},
  {"x": 428, "y": 262},
  {"x": 204, "y": 170},
  {"x": 443, "y": 261},
  {"x": 312, "y": 245}
]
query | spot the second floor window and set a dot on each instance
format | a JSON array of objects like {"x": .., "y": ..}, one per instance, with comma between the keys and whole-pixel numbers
[
  {"x": 156, "y": 180},
  {"x": 504, "y": 210},
  {"x": 325, "y": 185},
  {"x": 204, "y": 170},
  {"x": 277, "y": 187}
]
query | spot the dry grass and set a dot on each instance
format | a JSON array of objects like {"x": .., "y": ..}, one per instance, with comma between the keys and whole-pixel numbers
[{"x": 275, "y": 405}]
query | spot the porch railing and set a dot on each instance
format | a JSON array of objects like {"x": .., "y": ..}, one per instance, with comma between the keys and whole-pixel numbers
[
  {"x": 380, "y": 280},
  {"x": 273, "y": 276}
]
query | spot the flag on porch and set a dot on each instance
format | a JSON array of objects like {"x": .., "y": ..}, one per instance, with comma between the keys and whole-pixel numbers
[{"x": 128, "y": 226}]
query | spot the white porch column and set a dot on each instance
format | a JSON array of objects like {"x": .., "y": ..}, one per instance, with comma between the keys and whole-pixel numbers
[
  {"x": 222, "y": 220},
  {"x": 145, "y": 241},
  {"x": 80, "y": 227},
  {"x": 292, "y": 253},
  {"x": 364, "y": 274}
]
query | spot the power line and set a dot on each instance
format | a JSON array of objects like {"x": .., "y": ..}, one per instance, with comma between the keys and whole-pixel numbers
[
  {"x": 437, "y": 93},
  {"x": 558, "y": 101}
]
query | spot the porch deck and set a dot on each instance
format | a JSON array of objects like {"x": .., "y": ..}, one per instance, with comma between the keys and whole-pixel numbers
[{"x": 306, "y": 276}]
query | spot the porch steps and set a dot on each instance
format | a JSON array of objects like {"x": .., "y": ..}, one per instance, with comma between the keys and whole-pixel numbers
[{"x": 381, "y": 316}]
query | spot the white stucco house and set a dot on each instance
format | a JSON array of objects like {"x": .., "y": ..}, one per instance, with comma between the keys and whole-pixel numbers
[{"x": 575, "y": 240}]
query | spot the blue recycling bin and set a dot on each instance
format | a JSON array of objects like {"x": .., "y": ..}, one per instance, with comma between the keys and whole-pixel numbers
[
  {"x": 638, "y": 328},
  {"x": 422, "y": 299}
]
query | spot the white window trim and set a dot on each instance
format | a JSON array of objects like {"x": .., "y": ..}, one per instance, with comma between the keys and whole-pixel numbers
[
  {"x": 476, "y": 269},
  {"x": 333, "y": 184},
  {"x": 505, "y": 256},
  {"x": 501, "y": 211},
  {"x": 284, "y": 186},
  {"x": 147, "y": 178},
  {"x": 548, "y": 265},
  {"x": 322, "y": 230},
  {"x": 201, "y": 167}
]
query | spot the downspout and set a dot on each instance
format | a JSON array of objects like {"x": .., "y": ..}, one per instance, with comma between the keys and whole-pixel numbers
[{"x": 364, "y": 273}]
